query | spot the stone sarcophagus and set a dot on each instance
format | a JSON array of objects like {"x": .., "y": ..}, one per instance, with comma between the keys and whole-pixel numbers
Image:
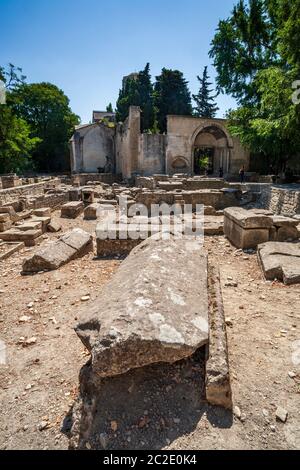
[{"x": 247, "y": 229}]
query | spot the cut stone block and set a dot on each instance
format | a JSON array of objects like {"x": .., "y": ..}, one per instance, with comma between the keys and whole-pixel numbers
[
  {"x": 218, "y": 387},
  {"x": 280, "y": 221},
  {"x": 72, "y": 210},
  {"x": 9, "y": 210},
  {"x": 159, "y": 315},
  {"x": 251, "y": 219},
  {"x": 43, "y": 220},
  {"x": 43, "y": 212},
  {"x": 5, "y": 225},
  {"x": 287, "y": 233},
  {"x": 280, "y": 261},
  {"x": 213, "y": 225},
  {"x": 54, "y": 226},
  {"x": 91, "y": 212},
  {"x": 110, "y": 202},
  {"x": 29, "y": 237},
  {"x": 4, "y": 218},
  {"x": 88, "y": 195},
  {"x": 75, "y": 194},
  {"x": 72, "y": 245},
  {"x": 242, "y": 238},
  {"x": 30, "y": 225}
]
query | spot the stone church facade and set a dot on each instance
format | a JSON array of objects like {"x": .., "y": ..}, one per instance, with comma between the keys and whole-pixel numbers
[{"x": 128, "y": 152}]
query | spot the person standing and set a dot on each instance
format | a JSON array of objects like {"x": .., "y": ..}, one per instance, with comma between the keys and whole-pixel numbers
[{"x": 242, "y": 174}]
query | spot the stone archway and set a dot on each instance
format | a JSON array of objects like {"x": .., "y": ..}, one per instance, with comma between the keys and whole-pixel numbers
[{"x": 212, "y": 141}]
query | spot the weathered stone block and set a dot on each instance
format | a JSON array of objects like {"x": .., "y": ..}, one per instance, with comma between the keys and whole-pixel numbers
[
  {"x": 251, "y": 219},
  {"x": 218, "y": 387},
  {"x": 54, "y": 226},
  {"x": 29, "y": 237},
  {"x": 280, "y": 261},
  {"x": 287, "y": 232},
  {"x": 91, "y": 212},
  {"x": 42, "y": 212},
  {"x": 43, "y": 220},
  {"x": 244, "y": 238},
  {"x": 159, "y": 315},
  {"x": 70, "y": 246},
  {"x": 72, "y": 210},
  {"x": 5, "y": 225}
]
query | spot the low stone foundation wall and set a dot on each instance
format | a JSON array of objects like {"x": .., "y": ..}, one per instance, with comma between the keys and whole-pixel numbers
[
  {"x": 217, "y": 199},
  {"x": 281, "y": 200},
  {"x": 84, "y": 178},
  {"x": 51, "y": 200},
  {"x": 10, "y": 195}
]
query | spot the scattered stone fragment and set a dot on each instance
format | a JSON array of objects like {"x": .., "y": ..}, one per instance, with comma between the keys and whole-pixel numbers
[
  {"x": 281, "y": 414},
  {"x": 237, "y": 412}
]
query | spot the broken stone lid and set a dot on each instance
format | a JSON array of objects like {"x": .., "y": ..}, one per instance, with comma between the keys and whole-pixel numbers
[
  {"x": 155, "y": 309},
  {"x": 280, "y": 261}
]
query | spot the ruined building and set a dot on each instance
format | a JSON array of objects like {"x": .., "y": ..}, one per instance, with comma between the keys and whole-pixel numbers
[{"x": 123, "y": 149}]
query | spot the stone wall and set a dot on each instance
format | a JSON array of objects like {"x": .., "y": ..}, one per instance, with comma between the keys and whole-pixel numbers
[
  {"x": 84, "y": 178},
  {"x": 13, "y": 194},
  {"x": 185, "y": 133},
  {"x": 90, "y": 145},
  {"x": 152, "y": 155},
  {"x": 280, "y": 200}
]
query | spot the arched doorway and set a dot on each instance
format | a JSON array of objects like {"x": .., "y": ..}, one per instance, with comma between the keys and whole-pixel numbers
[{"x": 211, "y": 150}]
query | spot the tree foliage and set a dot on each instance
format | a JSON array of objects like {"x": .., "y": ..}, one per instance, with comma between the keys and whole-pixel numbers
[
  {"x": 256, "y": 54},
  {"x": 46, "y": 110},
  {"x": 205, "y": 102},
  {"x": 16, "y": 143},
  {"x": 137, "y": 91},
  {"x": 171, "y": 96}
]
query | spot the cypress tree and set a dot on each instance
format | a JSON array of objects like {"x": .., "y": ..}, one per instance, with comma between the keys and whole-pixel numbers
[
  {"x": 171, "y": 96},
  {"x": 205, "y": 104}
]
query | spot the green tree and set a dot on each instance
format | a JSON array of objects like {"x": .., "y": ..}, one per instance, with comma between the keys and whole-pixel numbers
[
  {"x": 171, "y": 96},
  {"x": 46, "y": 110},
  {"x": 145, "y": 92},
  {"x": 245, "y": 43},
  {"x": 109, "y": 108},
  {"x": 15, "y": 141},
  {"x": 205, "y": 102},
  {"x": 138, "y": 92},
  {"x": 128, "y": 96},
  {"x": 16, "y": 144},
  {"x": 12, "y": 76},
  {"x": 263, "y": 37}
]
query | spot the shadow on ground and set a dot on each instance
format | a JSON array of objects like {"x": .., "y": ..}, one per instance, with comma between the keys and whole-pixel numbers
[{"x": 147, "y": 408}]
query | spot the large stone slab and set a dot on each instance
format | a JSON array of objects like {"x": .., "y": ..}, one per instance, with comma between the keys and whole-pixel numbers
[
  {"x": 154, "y": 310},
  {"x": 72, "y": 245},
  {"x": 280, "y": 261}
]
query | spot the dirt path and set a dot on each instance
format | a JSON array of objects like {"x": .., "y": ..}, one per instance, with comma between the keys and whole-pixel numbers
[{"x": 40, "y": 381}]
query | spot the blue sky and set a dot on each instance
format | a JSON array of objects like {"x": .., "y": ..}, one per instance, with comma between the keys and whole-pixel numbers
[{"x": 86, "y": 47}]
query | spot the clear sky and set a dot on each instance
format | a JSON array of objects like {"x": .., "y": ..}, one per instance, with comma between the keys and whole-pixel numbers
[{"x": 86, "y": 46}]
